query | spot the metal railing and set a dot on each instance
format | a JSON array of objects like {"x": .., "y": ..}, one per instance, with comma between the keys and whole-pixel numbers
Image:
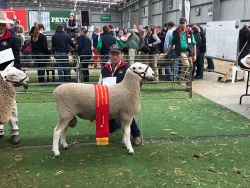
[{"x": 173, "y": 72}]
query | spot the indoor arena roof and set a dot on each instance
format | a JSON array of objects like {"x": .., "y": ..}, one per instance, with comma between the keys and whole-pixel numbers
[{"x": 70, "y": 4}]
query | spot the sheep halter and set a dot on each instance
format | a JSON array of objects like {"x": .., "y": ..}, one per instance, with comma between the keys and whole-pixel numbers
[
  {"x": 102, "y": 115},
  {"x": 141, "y": 74}
]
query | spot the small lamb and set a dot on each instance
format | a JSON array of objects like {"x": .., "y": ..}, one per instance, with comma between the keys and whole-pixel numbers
[{"x": 77, "y": 99}]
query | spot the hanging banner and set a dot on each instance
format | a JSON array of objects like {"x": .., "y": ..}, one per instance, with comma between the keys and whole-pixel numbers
[
  {"x": 58, "y": 18},
  {"x": 187, "y": 10},
  {"x": 17, "y": 14}
]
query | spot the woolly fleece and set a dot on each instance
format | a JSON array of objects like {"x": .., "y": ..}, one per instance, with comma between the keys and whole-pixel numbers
[{"x": 7, "y": 97}]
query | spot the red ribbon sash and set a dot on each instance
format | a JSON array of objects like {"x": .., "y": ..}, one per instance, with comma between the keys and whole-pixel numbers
[{"x": 102, "y": 115}]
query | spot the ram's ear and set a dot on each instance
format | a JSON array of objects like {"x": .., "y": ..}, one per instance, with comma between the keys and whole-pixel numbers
[{"x": 9, "y": 66}]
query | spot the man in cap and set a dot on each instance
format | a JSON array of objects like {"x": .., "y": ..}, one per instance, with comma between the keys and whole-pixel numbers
[
  {"x": 115, "y": 70},
  {"x": 7, "y": 41},
  {"x": 60, "y": 46},
  {"x": 185, "y": 46}
]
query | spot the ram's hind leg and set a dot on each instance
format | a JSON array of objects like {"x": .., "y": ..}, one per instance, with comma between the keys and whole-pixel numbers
[
  {"x": 126, "y": 136},
  {"x": 61, "y": 126},
  {"x": 63, "y": 141},
  {"x": 63, "y": 138}
]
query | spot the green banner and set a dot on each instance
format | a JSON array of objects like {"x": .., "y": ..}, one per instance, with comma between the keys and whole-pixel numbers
[
  {"x": 58, "y": 18},
  {"x": 105, "y": 18}
]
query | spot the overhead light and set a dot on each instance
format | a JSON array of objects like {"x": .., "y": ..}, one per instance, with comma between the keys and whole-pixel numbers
[{"x": 40, "y": 5}]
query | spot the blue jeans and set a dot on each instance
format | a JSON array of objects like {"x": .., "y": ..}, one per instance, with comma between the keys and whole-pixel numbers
[
  {"x": 115, "y": 124},
  {"x": 210, "y": 63},
  {"x": 172, "y": 69},
  {"x": 62, "y": 63}
]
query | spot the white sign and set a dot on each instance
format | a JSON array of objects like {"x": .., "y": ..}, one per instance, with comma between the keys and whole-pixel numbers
[
  {"x": 222, "y": 39},
  {"x": 6, "y": 55},
  {"x": 108, "y": 81}
]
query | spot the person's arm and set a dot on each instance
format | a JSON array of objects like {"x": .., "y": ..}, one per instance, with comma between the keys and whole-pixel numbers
[
  {"x": 80, "y": 44},
  {"x": 68, "y": 27},
  {"x": 170, "y": 46},
  {"x": 22, "y": 30},
  {"x": 194, "y": 57},
  {"x": 157, "y": 40},
  {"x": 16, "y": 51},
  {"x": 70, "y": 41},
  {"x": 166, "y": 42},
  {"x": 127, "y": 36},
  {"x": 45, "y": 45},
  {"x": 76, "y": 26},
  {"x": 194, "y": 46}
]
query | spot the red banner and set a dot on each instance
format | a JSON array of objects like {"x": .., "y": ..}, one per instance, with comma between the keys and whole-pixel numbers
[
  {"x": 102, "y": 115},
  {"x": 17, "y": 14}
]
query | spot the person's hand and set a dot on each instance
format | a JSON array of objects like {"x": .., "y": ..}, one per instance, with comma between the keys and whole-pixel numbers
[
  {"x": 194, "y": 58},
  {"x": 165, "y": 55}
]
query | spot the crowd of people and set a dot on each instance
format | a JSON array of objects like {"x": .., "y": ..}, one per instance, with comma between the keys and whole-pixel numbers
[{"x": 140, "y": 43}]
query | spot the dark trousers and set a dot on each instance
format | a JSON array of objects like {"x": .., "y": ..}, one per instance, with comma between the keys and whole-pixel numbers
[
  {"x": 41, "y": 61},
  {"x": 115, "y": 124},
  {"x": 85, "y": 67}
]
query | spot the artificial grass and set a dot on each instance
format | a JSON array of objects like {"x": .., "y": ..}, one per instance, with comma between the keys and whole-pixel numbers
[
  {"x": 210, "y": 163},
  {"x": 218, "y": 163},
  {"x": 163, "y": 112}
]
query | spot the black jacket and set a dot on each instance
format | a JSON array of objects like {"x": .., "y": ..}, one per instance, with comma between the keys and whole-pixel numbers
[
  {"x": 10, "y": 41},
  {"x": 40, "y": 46},
  {"x": 61, "y": 42},
  {"x": 119, "y": 72},
  {"x": 107, "y": 41},
  {"x": 84, "y": 45},
  {"x": 243, "y": 37},
  {"x": 177, "y": 42}
]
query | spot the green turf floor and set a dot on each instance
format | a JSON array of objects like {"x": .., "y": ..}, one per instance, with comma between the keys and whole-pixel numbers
[
  {"x": 165, "y": 115},
  {"x": 211, "y": 163}
]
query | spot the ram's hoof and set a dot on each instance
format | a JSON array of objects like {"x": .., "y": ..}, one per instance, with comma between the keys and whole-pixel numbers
[
  {"x": 56, "y": 153},
  {"x": 65, "y": 146},
  {"x": 131, "y": 152}
]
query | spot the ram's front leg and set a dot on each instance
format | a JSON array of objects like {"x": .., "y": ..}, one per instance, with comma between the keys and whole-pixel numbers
[{"x": 126, "y": 136}]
